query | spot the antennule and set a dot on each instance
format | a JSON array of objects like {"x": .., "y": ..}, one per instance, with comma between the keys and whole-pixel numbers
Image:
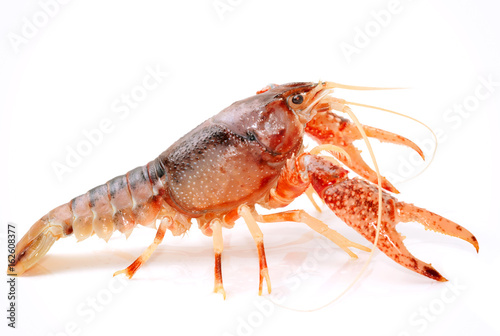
[{"x": 333, "y": 85}]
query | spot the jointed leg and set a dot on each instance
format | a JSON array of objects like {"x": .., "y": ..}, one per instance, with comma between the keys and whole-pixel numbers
[
  {"x": 218, "y": 247},
  {"x": 130, "y": 271},
  {"x": 300, "y": 216},
  {"x": 244, "y": 211},
  {"x": 294, "y": 181}
]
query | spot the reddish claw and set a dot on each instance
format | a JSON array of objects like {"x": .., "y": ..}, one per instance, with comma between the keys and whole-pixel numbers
[
  {"x": 355, "y": 202},
  {"x": 329, "y": 128}
]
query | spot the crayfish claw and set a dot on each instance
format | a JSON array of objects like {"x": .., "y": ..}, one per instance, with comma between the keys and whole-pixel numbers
[
  {"x": 329, "y": 128},
  {"x": 385, "y": 136},
  {"x": 431, "y": 221},
  {"x": 359, "y": 166},
  {"x": 355, "y": 202}
]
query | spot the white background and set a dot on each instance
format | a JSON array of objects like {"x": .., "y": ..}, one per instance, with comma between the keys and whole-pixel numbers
[{"x": 64, "y": 78}]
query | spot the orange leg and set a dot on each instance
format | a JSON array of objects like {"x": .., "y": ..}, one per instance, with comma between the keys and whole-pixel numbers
[
  {"x": 130, "y": 271},
  {"x": 245, "y": 212},
  {"x": 300, "y": 216},
  {"x": 216, "y": 226}
]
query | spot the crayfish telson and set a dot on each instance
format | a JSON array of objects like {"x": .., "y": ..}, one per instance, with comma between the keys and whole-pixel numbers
[{"x": 250, "y": 153}]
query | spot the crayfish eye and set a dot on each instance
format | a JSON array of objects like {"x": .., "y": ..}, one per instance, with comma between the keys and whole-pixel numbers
[
  {"x": 298, "y": 99},
  {"x": 251, "y": 136}
]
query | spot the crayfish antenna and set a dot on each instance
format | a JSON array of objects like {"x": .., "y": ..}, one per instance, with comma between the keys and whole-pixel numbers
[{"x": 333, "y": 85}]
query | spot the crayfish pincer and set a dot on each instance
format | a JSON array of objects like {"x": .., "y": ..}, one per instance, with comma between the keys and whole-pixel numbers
[{"x": 250, "y": 153}]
